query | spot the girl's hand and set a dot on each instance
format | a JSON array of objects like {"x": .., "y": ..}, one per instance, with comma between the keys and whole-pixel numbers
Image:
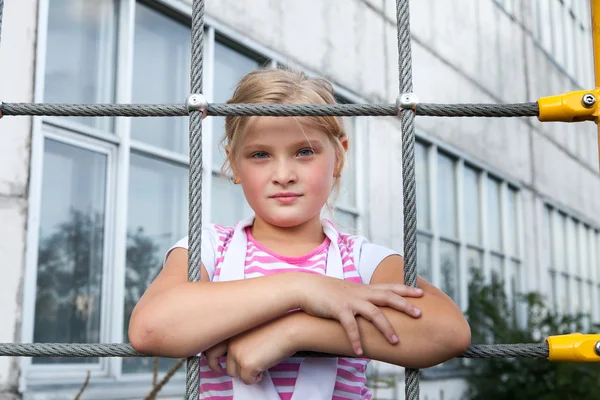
[
  {"x": 212, "y": 355},
  {"x": 326, "y": 297},
  {"x": 251, "y": 353}
]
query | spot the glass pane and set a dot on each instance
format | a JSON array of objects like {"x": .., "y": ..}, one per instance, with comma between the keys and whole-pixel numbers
[
  {"x": 572, "y": 251},
  {"x": 474, "y": 260},
  {"x": 449, "y": 270},
  {"x": 584, "y": 262},
  {"x": 554, "y": 288},
  {"x": 347, "y": 195},
  {"x": 422, "y": 178},
  {"x": 424, "y": 257},
  {"x": 493, "y": 211},
  {"x": 80, "y": 55},
  {"x": 446, "y": 197},
  {"x": 71, "y": 248},
  {"x": 548, "y": 245},
  {"x": 228, "y": 202},
  {"x": 497, "y": 269},
  {"x": 230, "y": 67},
  {"x": 514, "y": 288},
  {"x": 511, "y": 220},
  {"x": 563, "y": 292},
  {"x": 156, "y": 188},
  {"x": 161, "y": 74},
  {"x": 558, "y": 229},
  {"x": 471, "y": 206},
  {"x": 587, "y": 301}
]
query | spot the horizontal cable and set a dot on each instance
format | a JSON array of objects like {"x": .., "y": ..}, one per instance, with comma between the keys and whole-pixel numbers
[
  {"x": 536, "y": 350},
  {"x": 175, "y": 110}
]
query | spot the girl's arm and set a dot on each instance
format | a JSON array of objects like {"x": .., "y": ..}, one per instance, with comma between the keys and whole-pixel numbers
[
  {"x": 441, "y": 333},
  {"x": 177, "y": 318}
]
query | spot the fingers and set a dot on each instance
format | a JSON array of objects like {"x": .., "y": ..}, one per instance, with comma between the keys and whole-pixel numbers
[
  {"x": 250, "y": 375},
  {"x": 399, "y": 289},
  {"x": 374, "y": 314},
  {"x": 384, "y": 298},
  {"x": 212, "y": 356},
  {"x": 232, "y": 367},
  {"x": 213, "y": 363},
  {"x": 348, "y": 321}
]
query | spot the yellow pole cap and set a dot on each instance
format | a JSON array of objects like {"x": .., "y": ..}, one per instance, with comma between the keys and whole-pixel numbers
[{"x": 574, "y": 347}]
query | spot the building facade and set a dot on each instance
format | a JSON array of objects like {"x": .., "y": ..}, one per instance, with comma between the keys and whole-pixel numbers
[{"x": 89, "y": 205}]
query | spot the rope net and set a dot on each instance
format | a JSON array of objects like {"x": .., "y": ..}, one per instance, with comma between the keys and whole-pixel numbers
[{"x": 405, "y": 112}]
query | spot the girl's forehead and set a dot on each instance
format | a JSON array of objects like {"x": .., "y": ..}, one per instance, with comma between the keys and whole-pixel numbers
[{"x": 283, "y": 129}]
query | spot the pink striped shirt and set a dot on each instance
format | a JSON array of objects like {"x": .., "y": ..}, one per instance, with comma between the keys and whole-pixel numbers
[{"x": 260, "y": 261}]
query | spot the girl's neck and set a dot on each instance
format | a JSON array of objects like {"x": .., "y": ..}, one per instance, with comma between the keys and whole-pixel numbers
[{"x": 310, "y": 231}]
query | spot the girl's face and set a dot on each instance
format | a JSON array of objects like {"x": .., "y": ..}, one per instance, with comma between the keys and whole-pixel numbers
[{"x": 286, "y": 170}]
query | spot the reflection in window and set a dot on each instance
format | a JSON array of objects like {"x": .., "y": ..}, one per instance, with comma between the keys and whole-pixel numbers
[
  {"x": 228, "y": 202},
  {"x": 161, "y": 71},
  {"x": 493, "y": 212},
  {"x": 230, "y": 67},
  {"x": 80, "y": 55},
  {"x": 71, "y": 248},
  {"x": 446, "y": 199},
  {"x": 157, "y": 188},
  {"x": 474, "y": 259},
  {"x": 511, "y": 221},
  {"x": 424, "y": 257},
  {"x": 471, "y": 206},
  {"x": 449, "y": 270},
  {"x": 497, "y": 269},
  {"x": 422, "y": 178}
]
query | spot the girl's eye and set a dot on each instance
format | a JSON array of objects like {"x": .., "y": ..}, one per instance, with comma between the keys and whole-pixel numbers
[
  {"x": 259, "y": 155},
  {"x": 306, "y": 152}
]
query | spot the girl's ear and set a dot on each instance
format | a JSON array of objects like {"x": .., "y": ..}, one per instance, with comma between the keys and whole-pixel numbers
[
  {"x": 340, "y": 162},
  {"x": 344, "y": 142},
  {"x": 236, "y": 179}
]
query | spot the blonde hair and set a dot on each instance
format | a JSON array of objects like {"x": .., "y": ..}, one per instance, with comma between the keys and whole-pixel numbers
[{"x": 283, "y": 86}]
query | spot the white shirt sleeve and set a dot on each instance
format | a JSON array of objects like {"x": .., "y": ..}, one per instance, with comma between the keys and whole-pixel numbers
[
  {"x": 368, "y": 257},
  {"x": 208, "y": 249}
]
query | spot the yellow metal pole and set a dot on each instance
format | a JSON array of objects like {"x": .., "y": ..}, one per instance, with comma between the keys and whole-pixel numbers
[{"x": 595, "y": 11}]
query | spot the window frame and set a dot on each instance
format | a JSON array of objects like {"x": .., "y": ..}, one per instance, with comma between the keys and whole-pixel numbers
[
  {"x": 572, "y": 273},
  {"x": 433, "y": 148},
  {"x": 119, "y": 143}
]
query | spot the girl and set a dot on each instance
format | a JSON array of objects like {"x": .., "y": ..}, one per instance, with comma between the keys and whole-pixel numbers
[{"x": 286, "y": 280}]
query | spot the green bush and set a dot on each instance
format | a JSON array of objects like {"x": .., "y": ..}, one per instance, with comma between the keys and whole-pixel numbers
[{"x": 494, "y": 320}]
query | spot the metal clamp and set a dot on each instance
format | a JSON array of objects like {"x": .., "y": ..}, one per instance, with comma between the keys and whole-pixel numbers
[
  {"x": 197, "y": 102},
  {"x": 576, "y": 106},
  {"x": 406, "y": 101},
  {"x": 574, "y": 347}
]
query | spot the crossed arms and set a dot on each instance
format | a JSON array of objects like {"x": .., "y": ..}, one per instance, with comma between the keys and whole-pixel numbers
[{"x": 250, "y": 319}]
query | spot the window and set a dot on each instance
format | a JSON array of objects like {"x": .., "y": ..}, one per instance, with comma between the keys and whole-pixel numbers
[
  {"x": 466, "y": 218},
  {"x": 476, "y": 221},
  {"x": 113, "y": 191},
  {"x": 572, "y": 264}
]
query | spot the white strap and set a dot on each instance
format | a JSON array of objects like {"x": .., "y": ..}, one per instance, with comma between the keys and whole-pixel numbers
[{"x": 316, "y": 376}]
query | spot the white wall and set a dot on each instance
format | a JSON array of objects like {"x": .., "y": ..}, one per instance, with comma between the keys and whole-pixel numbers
[{"x": 16, "y": 85}]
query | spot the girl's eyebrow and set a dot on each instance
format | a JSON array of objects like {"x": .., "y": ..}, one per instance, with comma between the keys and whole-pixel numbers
[{"x": 301, "y": 143}]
